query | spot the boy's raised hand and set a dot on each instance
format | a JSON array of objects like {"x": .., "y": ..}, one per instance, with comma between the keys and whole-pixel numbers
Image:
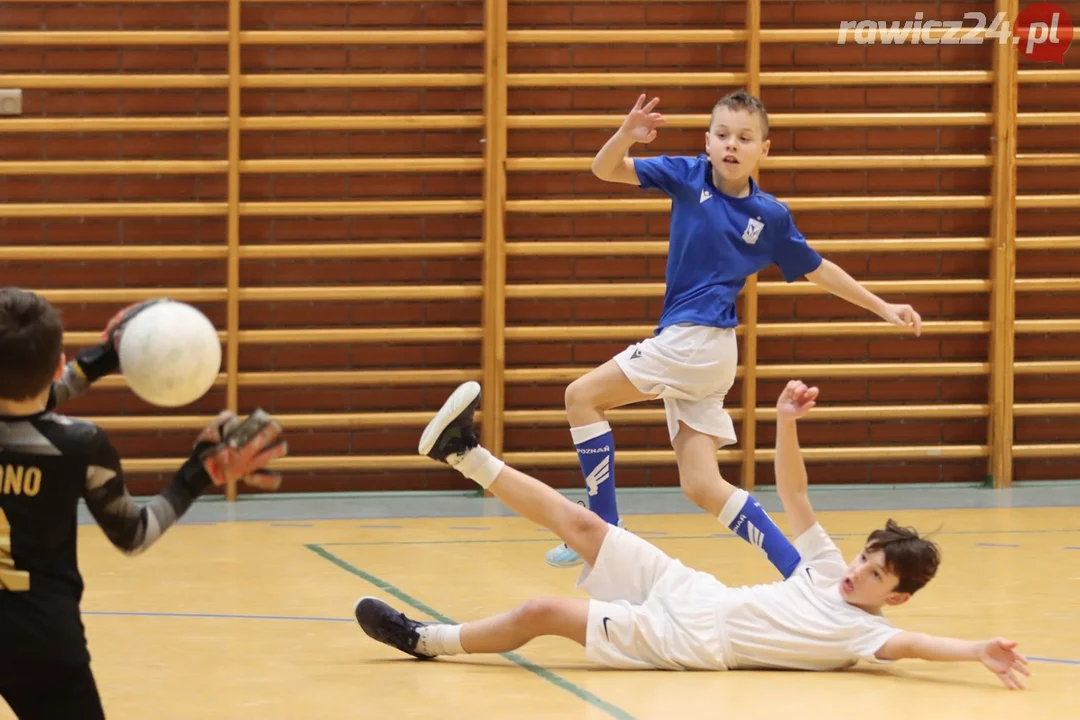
[
  {"x": 641, "y": 124},
  {"x": 796, "y": 400}
]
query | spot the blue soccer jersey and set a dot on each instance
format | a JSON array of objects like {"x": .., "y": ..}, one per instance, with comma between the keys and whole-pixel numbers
[{"x": 717, "y": 241}]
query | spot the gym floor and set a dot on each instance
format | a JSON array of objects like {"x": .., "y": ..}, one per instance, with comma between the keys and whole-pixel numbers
[{"x": 245, "y": 610}]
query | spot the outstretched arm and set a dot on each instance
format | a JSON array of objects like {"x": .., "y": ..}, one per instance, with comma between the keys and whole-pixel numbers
[
  {"x": 997, "y": 654},
  {"x": 791, "y": 483},
  {"x": 226, "y": 450},
  {"x": 831, "y": 277}
]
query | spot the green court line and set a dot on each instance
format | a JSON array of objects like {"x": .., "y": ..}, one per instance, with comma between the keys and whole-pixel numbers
[{"x": 518, "y": 660}]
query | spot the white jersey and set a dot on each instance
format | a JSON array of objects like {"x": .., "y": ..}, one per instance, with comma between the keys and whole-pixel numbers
[
  {"x": 651, "y": 611},
  {"x": 802, "y": 623}
]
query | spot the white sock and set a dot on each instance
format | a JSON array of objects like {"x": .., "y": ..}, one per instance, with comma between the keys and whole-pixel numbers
[
  {"x": 733, "y": 506},
  {"x": 478, "y": 465},
  {"x": 585, "y": 433},
  {"x": 440, "y": 640}
]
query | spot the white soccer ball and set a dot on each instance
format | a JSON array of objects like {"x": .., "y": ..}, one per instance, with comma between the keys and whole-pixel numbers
[{"x": 170, "y": 354}]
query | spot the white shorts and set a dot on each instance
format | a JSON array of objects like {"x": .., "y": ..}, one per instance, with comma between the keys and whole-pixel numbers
[
  {"x": 692, "y": 367},
  {"x": 649, "y": 611}
]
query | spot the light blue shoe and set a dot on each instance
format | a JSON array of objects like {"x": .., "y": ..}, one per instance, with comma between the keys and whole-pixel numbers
[{"x": 562, "y": 556}]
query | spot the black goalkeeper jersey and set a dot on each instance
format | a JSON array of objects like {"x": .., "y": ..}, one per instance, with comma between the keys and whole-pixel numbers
[{"x": 49, "y": 461}]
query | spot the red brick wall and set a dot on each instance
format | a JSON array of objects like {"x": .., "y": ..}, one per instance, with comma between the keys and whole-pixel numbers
[{"x": 465, "y": 143}]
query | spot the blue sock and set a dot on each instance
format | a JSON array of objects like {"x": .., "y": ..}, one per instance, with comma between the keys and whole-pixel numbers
[
  {"x": 747, "y": 519},
  {"x": 596, "y": 452}
]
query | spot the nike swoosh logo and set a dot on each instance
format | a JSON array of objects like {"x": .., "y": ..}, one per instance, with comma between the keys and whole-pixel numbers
[
  {"x": 809, "y": 575},
  {"x": 605, "y": 628}
]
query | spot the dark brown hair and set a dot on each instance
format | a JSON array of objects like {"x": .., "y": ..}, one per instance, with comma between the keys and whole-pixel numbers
[
  {"x": 909, "y": 557},
  {"x": 742, "y": 100},
  {"x": 31, "y": 343}
]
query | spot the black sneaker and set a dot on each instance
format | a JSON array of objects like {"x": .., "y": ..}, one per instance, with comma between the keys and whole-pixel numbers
[
  {"x": 451, "y": 431},
  {"x": 381, "y": 622}
]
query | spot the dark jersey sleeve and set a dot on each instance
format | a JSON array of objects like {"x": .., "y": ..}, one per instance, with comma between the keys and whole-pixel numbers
[
  {"x": 71, "y": 385},
  {"x": 129, "y": 526}
]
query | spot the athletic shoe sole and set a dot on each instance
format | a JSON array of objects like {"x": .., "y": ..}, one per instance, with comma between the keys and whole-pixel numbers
[{"x": 459, "y": 401}]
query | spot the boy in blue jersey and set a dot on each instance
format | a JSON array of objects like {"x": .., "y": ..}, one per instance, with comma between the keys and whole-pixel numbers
[{"x": 723, "y": 230}]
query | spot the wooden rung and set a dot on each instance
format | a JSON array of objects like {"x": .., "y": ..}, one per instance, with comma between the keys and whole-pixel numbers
[
  {"x": 119, "y": 38},
  {"x": 390, "y": 335},
  {"x": 1047, "y": 118},
  {"x": 112, "y": 167},
  {"x": 1046, "y": 409},
  {"x": 1048, "y": 76},
  {"x": 1048, "y": 450},
  {"x": 697, "y": 79},
  {"x": 633, "y": 37},
  {"x": 305, "y": 293},
  {"x": 361, "y": 37},
  {"x": 562, "y": 248},
  {"x": 119, "y": 296},
  {"x": 316, "y": 251},
  {"x": 1047, "y": 367},
  {"x": 419, "y": 121},
  {"x": 351, "y": 165},
  {"x": 114, "y": 81},
  {"x": 655, "y": 290},
  {"x": 268, "y": 81},
  {"x": 361, "y": 293},
  {"x": 112, "y": 209},
  {"x": 179, "y": 123},
  {"x": 1049, "y": 159},
  {"x": 810, "y": 204},
  {"x": 45, "y": 253},
  {"x": 627, "y": 80},
  {"x": 362, "y": 207},
  {"x": 1049, "y": 242},
  {"x": 306, "y": 336},
  {"x": 1048, "y": 202},
  {"x": 877, "y": 77},
  {"x": 779, "y": 120},
  {"x": 1041, "y": 285},
  {"x": 352, "y": 378},
  {"x": 1048, "y": 325},
  {"x": 783, "y": 162}
]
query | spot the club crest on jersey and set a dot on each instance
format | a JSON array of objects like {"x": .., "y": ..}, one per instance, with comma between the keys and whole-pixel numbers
[{"x": 753, "y": 231}]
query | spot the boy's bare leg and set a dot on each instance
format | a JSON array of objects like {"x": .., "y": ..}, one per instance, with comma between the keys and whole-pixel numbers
[
  {"x": 451, "y": 438},
  {"x": 564, "y": 617},
  {"x": 699, "y": 475}
]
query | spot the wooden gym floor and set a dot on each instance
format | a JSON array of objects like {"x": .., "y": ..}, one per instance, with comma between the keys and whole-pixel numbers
[{"x": 241, "y": 613}]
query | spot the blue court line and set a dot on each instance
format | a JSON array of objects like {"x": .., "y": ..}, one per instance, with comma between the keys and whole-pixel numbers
[
  {"x": 301, "y": 618},
  {"x": 996, "y": 545},
  {"x": 518, "y": 660},
  {"x": 1072, "y": 547},
  {"x": 714, "y": 536},
  {"x": 1053, "y": 660}
]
